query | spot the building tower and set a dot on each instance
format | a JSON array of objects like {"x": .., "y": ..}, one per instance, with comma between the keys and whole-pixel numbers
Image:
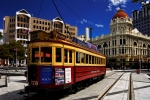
[
  {"x": 87, "y": 34},
  {"x": 123, "y": 46},
  {"x": 141, "y": 20}
]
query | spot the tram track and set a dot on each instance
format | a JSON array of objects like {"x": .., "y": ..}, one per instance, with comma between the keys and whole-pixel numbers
[
  {"x": 130, "y": 90},
  {"x": 102, "y": 95}
]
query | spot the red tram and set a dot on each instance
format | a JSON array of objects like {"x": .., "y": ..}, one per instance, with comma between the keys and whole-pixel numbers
[{"x": 58, "y": 63}]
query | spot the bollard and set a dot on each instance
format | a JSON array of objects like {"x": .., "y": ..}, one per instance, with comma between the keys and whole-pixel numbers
[
  {"x": 137, "y": 71},
  {"x": 6, "y": 81}
]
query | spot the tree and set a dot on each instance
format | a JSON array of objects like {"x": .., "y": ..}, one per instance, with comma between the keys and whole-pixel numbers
[
  {"x": 13, "y": 45},
  {"x": 4, "y": 51},
  {"x": 7, "y": 51}
]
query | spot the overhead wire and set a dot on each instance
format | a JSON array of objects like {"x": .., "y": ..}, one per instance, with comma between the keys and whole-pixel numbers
[
  {"x": 40, "y": 8},
  {"x": 61, "y": 17},
  {"x": 76, "y": 14},
  {"x": 39, "y": 11}
]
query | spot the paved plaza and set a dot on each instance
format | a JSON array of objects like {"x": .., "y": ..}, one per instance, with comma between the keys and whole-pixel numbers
[{"x": 141, "y": 83}]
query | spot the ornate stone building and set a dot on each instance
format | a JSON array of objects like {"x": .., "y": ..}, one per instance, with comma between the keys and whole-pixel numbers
[{"x": 124, "y": 46}]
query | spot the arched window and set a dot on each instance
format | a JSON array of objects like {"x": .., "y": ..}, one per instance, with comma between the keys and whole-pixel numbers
[
  {"x": 122, "y": 29},
  {"x": 144, "y": 45},
  {"x": 135, "y": 44}
]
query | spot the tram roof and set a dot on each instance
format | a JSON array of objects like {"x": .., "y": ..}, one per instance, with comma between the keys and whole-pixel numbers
[{"x": 61, "y": 38}]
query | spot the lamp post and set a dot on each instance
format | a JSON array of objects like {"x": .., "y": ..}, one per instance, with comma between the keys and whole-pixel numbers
[
  {"x": 140, "y": 58},
  {"x": 15, "y": 49}
]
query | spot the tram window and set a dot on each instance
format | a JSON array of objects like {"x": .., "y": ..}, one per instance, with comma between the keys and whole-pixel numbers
[
  {"x": 102, "y": 60},
  {"x": 58, "y": 55},
  {"x": 46, "y": 54},
  {"x": 70, "y": 56},
  {"x": 90, "y": 59},
  {"x": 87, "y": 58},
  {"x": 82, "y": 57},
  {"x": 77, "y": 57},
  {"x": 66, "y": 55},
  {"x": 35, "y": 54},
  {"x": 97, "y": 60}
]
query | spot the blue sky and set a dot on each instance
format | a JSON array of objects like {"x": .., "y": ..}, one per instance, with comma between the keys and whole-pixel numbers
[{"x": 84, "y": 13}]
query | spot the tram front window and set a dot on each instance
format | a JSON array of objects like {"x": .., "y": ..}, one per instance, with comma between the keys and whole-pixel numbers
[
  {"x": 46, "y": 54},
  {"x": 35, "y": 54}
]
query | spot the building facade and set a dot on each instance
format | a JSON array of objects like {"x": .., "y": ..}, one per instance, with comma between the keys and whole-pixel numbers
[
  {"x": 123, "y": 46},
  {"x": 141, "y": 20}
]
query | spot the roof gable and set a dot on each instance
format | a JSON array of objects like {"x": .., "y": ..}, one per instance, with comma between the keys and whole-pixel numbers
[{"x": 23, "y": 11}]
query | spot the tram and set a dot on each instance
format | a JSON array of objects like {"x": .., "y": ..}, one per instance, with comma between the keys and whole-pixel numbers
[{"x": 58, "y": 63}]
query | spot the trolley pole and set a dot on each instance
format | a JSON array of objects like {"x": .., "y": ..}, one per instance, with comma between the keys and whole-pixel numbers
[{"x": 16, "y": 57}]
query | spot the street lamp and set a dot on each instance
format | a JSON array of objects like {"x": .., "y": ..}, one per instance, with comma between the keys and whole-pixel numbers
[{"x": 15, "y": 49}]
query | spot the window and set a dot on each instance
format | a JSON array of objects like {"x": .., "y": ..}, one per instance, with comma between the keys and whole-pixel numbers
[
  {"x": 70, "y": 56},
  {"x": 87, "y": 58},
  {"x": 77, "y": 57},
  {"x": 93, "y": 59},
  {"x": 35, "y": 53},
  {"x": 120, "y": 41},
  {"x": 114, "y": 30},
  {"x": 82, "y": 57},
  {"x": 124, "y": 41},
  {"x": 90, "y": 59},
  {"x": 46, "y": 54},
  {"x": 122, "y": 29},
  {"x": 58, "y": 55},
  {"x": 97, "y": 60},
  {"x": 65, "y": 55}
]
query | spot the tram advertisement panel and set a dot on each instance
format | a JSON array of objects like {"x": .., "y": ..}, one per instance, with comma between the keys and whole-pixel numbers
[
  {"x": 59, "y": 76},
  {"x": 67, "y": 75},
  {"x": 46, "y": 75}
]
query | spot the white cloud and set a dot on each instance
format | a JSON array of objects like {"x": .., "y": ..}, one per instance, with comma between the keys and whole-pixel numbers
[
  {"x": 117, "y": 8},
  {"x": 83, "y": 21},
  {"x": 116, "y": 3},
  {"x": 99, "y": 25},
  {"x": 109, "y": 8}
]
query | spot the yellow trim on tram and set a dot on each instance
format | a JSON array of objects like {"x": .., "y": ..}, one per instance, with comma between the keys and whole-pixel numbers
[{"x": 56, "y": 54}]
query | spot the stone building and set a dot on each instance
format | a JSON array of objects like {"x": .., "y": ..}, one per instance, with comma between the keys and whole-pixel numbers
[{"x": 124, "y": 46}]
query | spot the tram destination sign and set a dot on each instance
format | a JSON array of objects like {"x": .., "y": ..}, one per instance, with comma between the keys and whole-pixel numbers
[{"x": 84, "y": 44}]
